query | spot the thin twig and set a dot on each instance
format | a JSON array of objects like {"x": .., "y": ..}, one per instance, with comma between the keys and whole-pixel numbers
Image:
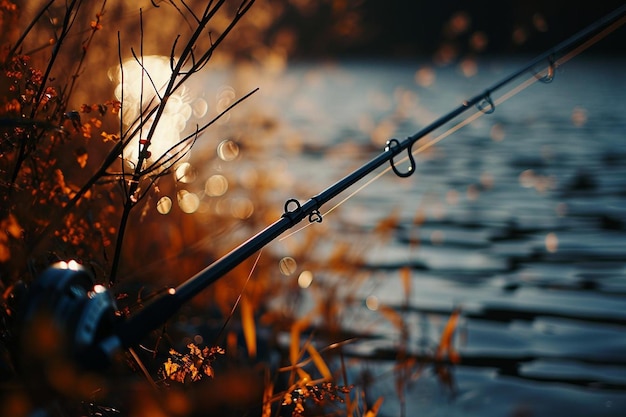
[
  {"x": 86, "y": 44},
  {"x": 28, "y": 29}
]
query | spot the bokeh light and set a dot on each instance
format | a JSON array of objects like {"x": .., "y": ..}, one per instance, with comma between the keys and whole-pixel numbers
[
  {"x": 199, "y": 107},
  {"x": 241, "y": 208},
  {"x": 164, "y": 205},
  {"x": 469, "y": 67},
  {"x": 486, "y": 180},
  {"x": 452, "y": 197},
  {"x": 188, "y": 202},
  {"x": 437, "y": 237},
  {"x": 540, "y": 23},
  {"x": 497, "y": 132},
  {"x": 479, "y": 41},
  {"x": 227, "y": 150},
  {"x": 216, "y": 185},
  {"x": 519, "y": 35},
  {"x": 552, "y": 242},
  {"x": 372, "y": 303},
  {"x": 186, "y": 173},
  {"x": 305, "y": 279},
  {"x": 458, "y": 24},
  {"x": 527, "y": 178},
  {"x": 425, "y": 77},
  {"x": 541, "y": 183},
  {"x": 224, "y": 98},
  {"x": 445, "y": 54},
  {"x": 579, "y": 116},
  {"x": 287, "y": 266}
]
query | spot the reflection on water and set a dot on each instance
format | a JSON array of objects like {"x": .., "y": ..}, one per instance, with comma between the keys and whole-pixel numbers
[{"x": 523, "y": 227}]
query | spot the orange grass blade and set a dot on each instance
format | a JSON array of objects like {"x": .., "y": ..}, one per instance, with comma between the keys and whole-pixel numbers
[
  {"x": 305, "y": 378},
  {"x": 393, "y": 316},
  {"x": 373, "y": 412},
  {"x": 294, "y": 348},
  {"x": 319, "y": 362},
  {"x": 267, "y": 399},
  {"x": 405, "y": 276},
  {"x": 249, "y": 329},
  {"x": 445, "y": 344}
]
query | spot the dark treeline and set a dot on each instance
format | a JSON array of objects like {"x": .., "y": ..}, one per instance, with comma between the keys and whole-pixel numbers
[{"x": 403, "y": 28}]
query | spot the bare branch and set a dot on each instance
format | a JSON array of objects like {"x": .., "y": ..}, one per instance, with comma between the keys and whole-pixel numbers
[{"x": 32, "y": 23}]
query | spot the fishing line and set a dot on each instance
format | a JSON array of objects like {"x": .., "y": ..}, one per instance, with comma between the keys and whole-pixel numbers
[
  {"x": 476, "y": 115},
  {"x": 236, "y": 304}
]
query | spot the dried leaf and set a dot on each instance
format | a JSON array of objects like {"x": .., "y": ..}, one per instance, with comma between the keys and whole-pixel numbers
[
  {"x": 5, "y": 252},
  {"x": 170, "y": 368},
  {"x": 191, "y": 366},
  {"x": 319, "y": 362},
  {"x": 194, "y": 350},
  {"x": 11, "y": 226},
  {"x": 81, "y": 156},
  {"x": 109, "y": 137},
  {"x": 195, "y": 373}
]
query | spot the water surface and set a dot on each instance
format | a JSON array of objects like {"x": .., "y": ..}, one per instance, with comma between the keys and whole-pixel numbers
[{"x": 523, "y": 228}]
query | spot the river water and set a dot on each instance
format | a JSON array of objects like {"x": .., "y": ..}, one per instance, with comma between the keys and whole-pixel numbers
[{"x": 517, "y": 220}]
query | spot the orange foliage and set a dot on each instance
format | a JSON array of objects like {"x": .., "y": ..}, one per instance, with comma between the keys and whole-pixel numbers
[{"x": 191, "y": 366}]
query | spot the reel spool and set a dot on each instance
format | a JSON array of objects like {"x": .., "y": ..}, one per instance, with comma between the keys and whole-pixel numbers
[{"x": 64, "y": 315}]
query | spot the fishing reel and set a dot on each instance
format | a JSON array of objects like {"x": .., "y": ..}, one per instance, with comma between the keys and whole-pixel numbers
[{"x": 64, "y": 315}]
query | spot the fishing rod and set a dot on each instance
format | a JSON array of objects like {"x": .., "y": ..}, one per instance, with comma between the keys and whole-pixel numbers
[{"x": 98, "y": 347}]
